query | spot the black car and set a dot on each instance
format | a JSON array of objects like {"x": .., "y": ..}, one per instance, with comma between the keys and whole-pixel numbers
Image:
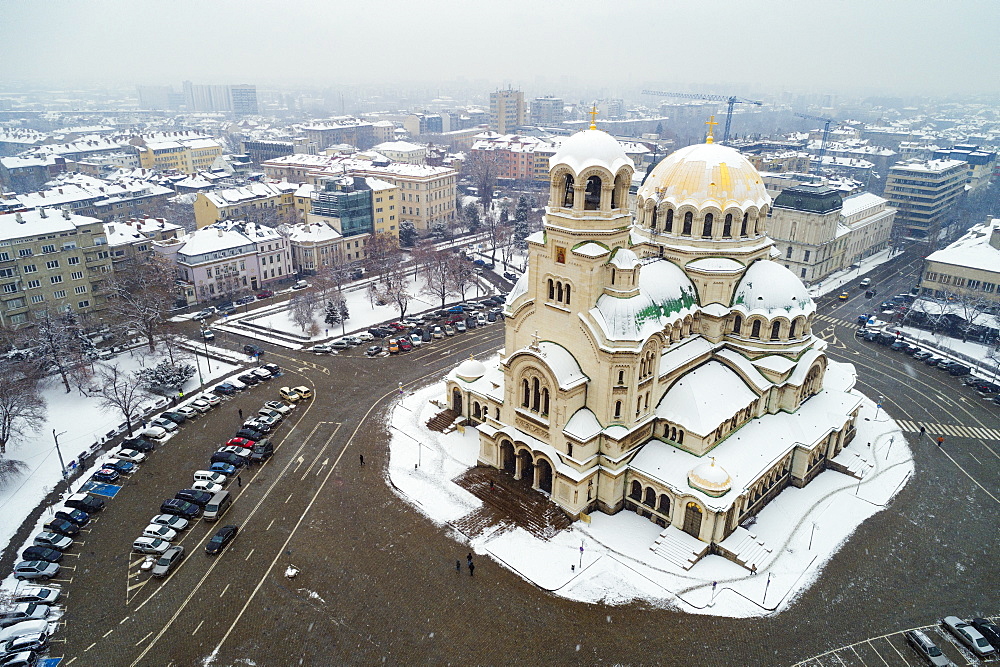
[
  {"x": 988, "y": 630},
  {"x": 253, "y": 350},
  {"x": 138, "y": 444},
  {"x": 378, "y": 333},
  {"x": 227, "y": 310},
  {"x": 199, "y": 498},
  {"x": 885, "y": 339},
  {"x": 180, "y": 508},
  {"x": 106, "y": 476},
  {"x": 249, "y": 434},
  {"x": 987, "y": 387},
  {"x": 42, "y": 553},
  {"x": 261, "y": 451},
  {"x": 273, "y": 369},
  {"x": 224, "y": 389},
  {"x": 175, "y": 417},
  {"x": 63, "y": 527},
  {"x": 958, "y": 369},
  {"x": 81, "y": 501},
  {"x": 230, "y": 458},
  {"x": 74, "y": 516},
  {"x": 221, "y": 538},
  {"x": 248, "y": 379}
]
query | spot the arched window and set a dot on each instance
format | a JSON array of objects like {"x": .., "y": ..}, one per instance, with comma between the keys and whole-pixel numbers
[
  {"x": 688, "y": 220},
  {"x": 650, "y": 497},
  {"x": 668, "y": 226},
  {"x": 680, "y": 437},
  {"x": 788, "y": 253},
  {"x": 592, "y": 198},
  {"x": 525, "y": 393},
  {"x": 652, "y": 223},
  {"x": 567, "y": 295},
  {"x": 775, "y": 330},
  {"x": 638, "y": 405},
  {"x": 621, "y": 377},
  {"x": 663, "y": 507},
  {"x": 636, "y": 490},
  {"x": 743, "y": 227},
  {"x": 612, "y": 275},
  {"x": 673, "y": 433},
  {"x": 559, "y": 292},
  {"x": 620, "y": 188},
  {"x": 618, "y": 409},
  {"x": 706, "y": 230},
  {"x": 755, "y": 329},
  {"x": 792, "y": 328},
  {"x": 568, "y": 192},
  {"x": 536, "y": 395},
  {"x": 727, "y": 226},
  {"x": 737, "y": 324},
  {"x": 552, "y": 290},
  {"x": 545, "y": 401}
]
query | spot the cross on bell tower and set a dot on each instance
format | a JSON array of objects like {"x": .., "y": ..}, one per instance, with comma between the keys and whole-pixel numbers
[
  {"x": 593, "y": 117},
  {"x": 711, "y": 122}
]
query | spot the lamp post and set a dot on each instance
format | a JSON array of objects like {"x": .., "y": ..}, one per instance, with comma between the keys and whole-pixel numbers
[
  {"x": 55, "y": 436},
  {"x": 878, "y": 406},
  {"x": 766, "y": 586}
]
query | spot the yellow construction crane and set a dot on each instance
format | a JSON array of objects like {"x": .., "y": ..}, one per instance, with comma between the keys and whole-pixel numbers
[{"x": 731, "y": 100}]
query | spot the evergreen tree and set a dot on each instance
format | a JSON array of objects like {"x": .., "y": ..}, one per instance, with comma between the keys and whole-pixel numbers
[
  {"x": 344, "y": 313},
  {"x": 333, "y": 315},
  {"x": 407, "y": 234},
  {"x": 472, "y": 217}
]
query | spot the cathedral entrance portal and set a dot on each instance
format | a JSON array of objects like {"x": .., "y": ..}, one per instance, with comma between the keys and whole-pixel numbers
[
  {"x": 456, "y": 400},
  {"x": 692, "y": 520},
  {"x": 525, "y": 467},
  {"x": 544, "y": 476},
  {"x": 507, "y": 459}
]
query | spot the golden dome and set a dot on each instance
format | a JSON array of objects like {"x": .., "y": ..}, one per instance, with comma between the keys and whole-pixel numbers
[{"x": 706, "y": 175}]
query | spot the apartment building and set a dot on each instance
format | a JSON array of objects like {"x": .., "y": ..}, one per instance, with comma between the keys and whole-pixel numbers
[
  {"x": 54, "y": 261},
  {"x": 926, "y": 194},
  {"x": 259, "y": 202},
  {"x": 186, "y": 152},
  {"x": 980, "y": 163},
  {"x": 968, "y": 269},
  {"x": 401, "y": 151},
  {"x": 506, "y": 110},
  {"x": 818, "y": 232},
  {"x": 548, "y": 111},
  {"x": 131, "y": 241},
  {"x": 117, "y": 199},
  {"x": 360, "y": 134}
]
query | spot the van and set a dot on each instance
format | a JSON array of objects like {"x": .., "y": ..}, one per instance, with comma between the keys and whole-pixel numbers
[
  {"x": 923, "y": 645},
  {"x": 208, "y": 476},
  {"x": 218, "y": 505}
]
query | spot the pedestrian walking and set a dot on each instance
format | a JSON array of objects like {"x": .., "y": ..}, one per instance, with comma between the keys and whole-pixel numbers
[
  {"x": 239, "y": 481},
  {"x": 753, "y": 569},
  {"x": 241, "y": 413},
  {"x": 458, "y": 566},
  {"x": 362, "y": 457},
  {"x": 491, "y": 485},
  {"x": 940, "y": 440},
  {"x": 472, "y": 568}
]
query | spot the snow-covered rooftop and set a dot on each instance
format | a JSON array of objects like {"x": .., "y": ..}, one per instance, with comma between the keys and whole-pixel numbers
[
  {"x": 705, "y": 397},
  {"x": 973, "y": 249},
  {"x": 768, "y": 286}
]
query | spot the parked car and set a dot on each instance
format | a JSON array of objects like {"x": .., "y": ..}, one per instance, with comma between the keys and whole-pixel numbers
[
  {"x": 51, "y": 540},
  {"x": 405, "y": 345},
  {"x": 286, "y": 393},
  {"x": 249, "y": 379},
  {"x": 374, "y": 350},
  {"x": 261, "y": 451},
  {"x": 244, "y": 300},
  {"x": 958, "y": 369},
  {"x": 167, "y": 561},
  {"x": 73, "y": 516},
  {"x": 378, "y": 333},
  {"x": 923, "y": 645},
  {"x": 229, "y": 458},
  {"x": 393, "y": 347},
  {"x": 448, "y": 330},
  {"x": 180, "y": 508},
  {"x": 227, "y": 310},
  {"x": 171, "y": 521},
  {"x": 240, "y": 386},
  {"x": 253, "y": 350},
  {"x": 200, "y": 405},
  {"x": 224, "y": 389},
  {"x": 921, "y": 355},
  {"x": 175, "y": 417},
  {"x": 16, "y": 647},
  {"x": 43, "y": 595},
  {"x": 262, "y": 373},
  {"x": 364, "y": 336},
  {"x": 241, "y": 452},
  {"x": 150, "y": 545},
  {"x": 280, "y": 406},
  {"x": 199, "y": 498},
  {"x": 969, "y": 636},
  {"x": 35, "y": 569},
  {"x": 63, "y": 527},
  {"x": 269, "y": 412},
  {"x": 208, "y": 334},
  {"x": 265, "y": 294},
  {"x": 188, "y": 412},
  {"x": 460, "y": 327},
  {"x": 322, "y": 348},
  {"x": 222, "y": 537},
  {"x": 300, "y": 284},
  {"x": 415, "y": 339},
  {"x": 204, "y": 314},
  {"x": 224, "y": 468},
  {"x": 933, "y": 361},
  {"x": 160, "y": 531},
  {"x": 272, "y": 368},
  {"x": 339, "y": 344},
  {"x": 240, "y": 442},
  {"x": 35, "y": 552},
  {"x": 138, "y": 443},
  {"x": 865, "y": 282},
  {"x": 249, "y": 434},
  {"x": 437, "y": 332},
  {"x": 25, "y": 611},
  {"x": 130, "y": 455},
  {"x": 305, "y": 393},
  {"x": 211, "y": 399},
  {"x": 164, "y": 423},
  {"x": 25, "y": 628},
  {"x": 510, "y": 276},
  {"x": 84, "y": 502},
  {"x": 256, "y": 424},
  {"x": 106, "y": 475},
  {"x": 120, "y": 467},
  {"x": 989, "y": 630}
]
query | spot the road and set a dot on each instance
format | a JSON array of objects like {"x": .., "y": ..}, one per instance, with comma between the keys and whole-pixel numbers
[{"x": 376, "y": 580}]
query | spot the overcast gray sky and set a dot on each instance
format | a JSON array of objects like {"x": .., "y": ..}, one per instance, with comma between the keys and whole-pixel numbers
[{"x": 911, "y": 46}]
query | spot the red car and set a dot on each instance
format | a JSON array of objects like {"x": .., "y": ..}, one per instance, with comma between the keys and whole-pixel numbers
[
  {"x": 240, "y": 442},
  {"x": 265, "y": 294},
  {"x": 405, "y": 345},
  {"x": 398, "y": 326}
]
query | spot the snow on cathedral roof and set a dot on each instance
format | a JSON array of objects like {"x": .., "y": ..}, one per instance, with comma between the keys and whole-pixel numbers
[
  {"x": 704, "y": 398},
  {"x": 768, "y": 286},
  {"x": 560, "y": 361},
  {"x": 591, "y": 148},
  {"x": 664, "y": 289}
]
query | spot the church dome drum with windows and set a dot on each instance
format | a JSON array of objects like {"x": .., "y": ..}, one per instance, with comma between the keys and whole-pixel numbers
[{"x": 660, "y": 361}]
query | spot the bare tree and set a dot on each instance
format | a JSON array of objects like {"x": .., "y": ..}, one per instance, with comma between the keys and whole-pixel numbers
[
  {"x": 462, "y": 276},
  {"x": 381, "y": 254},
  {"x": 56, "y": 344},
  {"x": 120, "y": 391},
  {"x": 141, "y": 296},
  {"x": 302, "y": 308},
  {"x": 396, "y": 289},
  {"x": 437, "y": 273},
  {"x": 493, "y": 229},
  {"x": 22, "y": 408},
  {"x": 506, "y": 240},
  {"x": 483, "y": 167}
]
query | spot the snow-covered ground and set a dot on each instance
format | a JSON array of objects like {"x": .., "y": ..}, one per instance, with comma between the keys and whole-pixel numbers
[
  {"x": 803, "y": 527},
  {"x": 81, "y": 422}
]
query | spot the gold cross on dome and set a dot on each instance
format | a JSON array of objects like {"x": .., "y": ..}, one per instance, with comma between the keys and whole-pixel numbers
[
  {"x": 593, "y": 117},
  {"x": 711, "y": 122}
]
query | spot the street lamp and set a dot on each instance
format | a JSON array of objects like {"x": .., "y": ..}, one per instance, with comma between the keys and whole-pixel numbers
[
  {"x": 878, "y": 406},
  {"x": 55, "y": 436}
]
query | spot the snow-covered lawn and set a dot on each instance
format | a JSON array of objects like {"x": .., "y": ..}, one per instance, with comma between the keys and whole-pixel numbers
[
  {"x": 80, "y": 421},
  {"x": 803, "y": 527}
]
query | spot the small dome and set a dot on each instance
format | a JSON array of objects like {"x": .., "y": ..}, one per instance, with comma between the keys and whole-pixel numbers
[
  {"x": 470, "y": 370},
  {"x": 706, "y": 175},
  {"x": 591, "y": 148},
  {"x": 710, "y": 478},
  {"x": 768, "y": 286},
  {"x": 624, "y": 259}
]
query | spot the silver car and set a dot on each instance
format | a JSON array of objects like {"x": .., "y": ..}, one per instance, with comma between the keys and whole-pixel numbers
[
  {"x": 969, "y": 636},
  {"x": 35, "y": 569},
  {"x": 168, "y": 561},
  {"x": 170, "y": 521},
  {"x": 52, "y": 541},
  {"x": 160, "y": 531}
]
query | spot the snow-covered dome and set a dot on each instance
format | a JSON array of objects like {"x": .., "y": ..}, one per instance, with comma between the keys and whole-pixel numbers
[
  {"x": 591, "y": 148},
  {"x": 706, "y": 175},
  {"x": 624, "y": 259},
  {"x": 768, "y": 286},
  {"x": 710, "y": 479},
  {"x": 664, "y": 291},
  {"x": 470, "y": 370}
]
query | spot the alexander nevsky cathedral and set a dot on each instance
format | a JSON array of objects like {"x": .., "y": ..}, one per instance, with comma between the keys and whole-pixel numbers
[{"x": 657, "y": 362}]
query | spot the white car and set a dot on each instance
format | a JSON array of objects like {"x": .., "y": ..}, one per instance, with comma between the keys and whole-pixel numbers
[
  {"x": 154, "y": 433},
  {"x": 283, "y": 408},
  {"x": 415, "y": 339},
  {"x": 322, "y": 348},
  {"x": 969, "y": 636},
  {"x": 165, "y": 424},
  {"x": 269, "y": 412},
  {"x": 239, "y": 451},
  {"x": 130, "y": 455},
  {"x": 204, "y": 485},
  {"x": 188, "y": 411},
  {"x": 200, "y": 405},
  {"x": 262, "y": 373},
  {"x": 364, "y": 336},
  {"x": 150, "y": 545},
  {"x": 160, "y": 531},
  {"x": 170, "y": 521},
  {"x": 211, "y": 399},
  {"x": 240, "y": 386}
]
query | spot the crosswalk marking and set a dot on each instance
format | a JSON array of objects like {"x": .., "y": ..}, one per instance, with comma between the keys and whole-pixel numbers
[
  {"x": 830, "y": 318},
  {"x": 976, "y": 432}
]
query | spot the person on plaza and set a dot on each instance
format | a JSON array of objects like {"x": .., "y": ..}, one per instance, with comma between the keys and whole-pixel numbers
[
  {"x": 362, "y": 457},
  {"x": 458, "y": 566},
  {"x": 241, "y": 413},
  {"x": 940, "y": 440},
  {"x": 472, "y": 567}
]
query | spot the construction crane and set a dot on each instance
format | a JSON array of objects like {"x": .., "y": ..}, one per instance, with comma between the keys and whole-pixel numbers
[
  {"x": 731, "y": 100},
  {"x": 826, "y": 133}
]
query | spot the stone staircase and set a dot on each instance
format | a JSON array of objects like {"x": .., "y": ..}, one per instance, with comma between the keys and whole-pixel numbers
[
  {"x": 679, "y": 548},
  {"x": 506, "y": 504},
  {"x": 745, "y": 548},
  {"x": 851, "y": 463},
  {"x": 444, "y": 421}
]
